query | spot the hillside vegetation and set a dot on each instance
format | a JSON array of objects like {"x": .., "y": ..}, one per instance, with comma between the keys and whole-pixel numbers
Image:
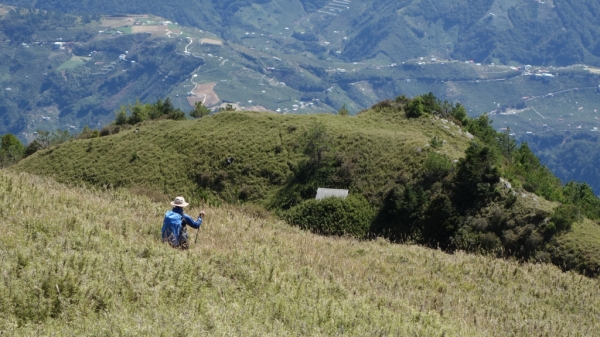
[
  {"x": 413, "y": 173},
  {"x": 304, "y": 56},
  {"x": 88, "y": 262}
]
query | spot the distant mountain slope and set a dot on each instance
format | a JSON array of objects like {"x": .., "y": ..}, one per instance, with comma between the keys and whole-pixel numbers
[
  {"x": 218, "y": 16},
  {"x": 558, "y": 32},
  {"x": 193, "y": 13},
  {"x": 83, "y": 83},
  {"x": 525, "y": 32}
]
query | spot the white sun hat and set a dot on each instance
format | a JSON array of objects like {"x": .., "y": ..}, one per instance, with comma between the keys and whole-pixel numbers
[{"x": 179, "y": 202}]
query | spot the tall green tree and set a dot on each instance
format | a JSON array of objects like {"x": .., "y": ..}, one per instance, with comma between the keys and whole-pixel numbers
[
  {"x": 476, "y": 176},
  {"x": 121, "y": 116},
  {"x": 11, "y": 149},
  {"x": 199, "y": 110},
  {"x": 343, "y": 111},
  {"x": 139, "y": 113}
]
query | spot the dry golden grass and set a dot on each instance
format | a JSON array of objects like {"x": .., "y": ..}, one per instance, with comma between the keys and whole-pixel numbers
[{"x": 89, "y": 262}]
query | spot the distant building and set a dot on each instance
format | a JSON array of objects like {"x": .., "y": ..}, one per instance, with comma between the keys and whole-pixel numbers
[
  {"x": 57, "y": 45},
  {"x": 323, "y": 193}
]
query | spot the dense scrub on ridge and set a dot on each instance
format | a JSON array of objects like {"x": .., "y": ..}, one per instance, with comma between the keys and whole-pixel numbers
[{"x": 412, "y": 160}]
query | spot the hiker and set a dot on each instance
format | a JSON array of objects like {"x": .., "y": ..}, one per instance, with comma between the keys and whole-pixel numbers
[{"x": 173, "y": 229}]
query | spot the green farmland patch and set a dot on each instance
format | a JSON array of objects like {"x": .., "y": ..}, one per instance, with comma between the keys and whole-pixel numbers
[
  {"x": 73, "y": 62},
  {"x": 125, "y": 29}
]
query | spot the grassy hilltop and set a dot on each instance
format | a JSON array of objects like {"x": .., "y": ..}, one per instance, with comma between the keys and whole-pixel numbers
[
  {"x": 182, "y": 156},
  {"x": 413, "y": 172},
  {"x": 88, "y": 262}
]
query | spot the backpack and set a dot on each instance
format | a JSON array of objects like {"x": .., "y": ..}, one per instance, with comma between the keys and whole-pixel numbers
[{"x": 172, "y": 228}]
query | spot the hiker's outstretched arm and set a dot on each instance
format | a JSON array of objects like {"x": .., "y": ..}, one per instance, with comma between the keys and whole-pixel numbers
[{"x": 191, "y": 222}]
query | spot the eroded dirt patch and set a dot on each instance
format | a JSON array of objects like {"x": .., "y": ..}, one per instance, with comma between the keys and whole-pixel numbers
[
  {"x": 594, "y": 70},
  {"x": 211, "y": 41},
  {"x": 114, "y": 22},
  {"x": 154, "y": 30},
  {"x": 121, "y": 21},
  {"x": 204, "y": 93}
]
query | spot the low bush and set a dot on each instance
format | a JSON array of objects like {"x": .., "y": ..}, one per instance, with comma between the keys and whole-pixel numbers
[
  {"x": 110, "y": 130},
  {"x": 334, "y": 216},
  {"x": 564, "y": 216}
]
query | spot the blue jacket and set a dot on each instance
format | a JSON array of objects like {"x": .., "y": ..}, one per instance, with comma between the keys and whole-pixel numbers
[
  {"x": 178, "y": 236},
  {"x": 188, "y": 220}
]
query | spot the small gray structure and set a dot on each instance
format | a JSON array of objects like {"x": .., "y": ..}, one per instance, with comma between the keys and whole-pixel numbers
[{"x": 323, "y": 193}]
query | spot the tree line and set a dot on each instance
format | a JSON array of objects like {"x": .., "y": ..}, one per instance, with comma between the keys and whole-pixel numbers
[{"x": 12, "y": 149}]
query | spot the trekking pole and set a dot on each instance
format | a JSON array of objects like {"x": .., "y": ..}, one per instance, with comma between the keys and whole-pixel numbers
[{"x": 198, "y": 231}]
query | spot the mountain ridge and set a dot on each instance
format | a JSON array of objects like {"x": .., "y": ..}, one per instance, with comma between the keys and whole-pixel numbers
[
  {"x": 261, "y": 63},
  {"x": 412, "y": 177}
]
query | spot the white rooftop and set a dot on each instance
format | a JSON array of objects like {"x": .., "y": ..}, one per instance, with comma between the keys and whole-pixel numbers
[{"x": 323, "y": 193}]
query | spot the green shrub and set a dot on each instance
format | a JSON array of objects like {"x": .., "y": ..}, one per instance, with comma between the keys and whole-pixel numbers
[
  {"x": 459, "y": 114},
  {"x": 564, "y": 216},
  {"x": 415, "y": 108},
  {"x": 138, "y": 112},
  {"x": 177, "y": 115},
  {"x": 436, "y": 142},
  {"x": 334, "y": 216},
  {"x": 32, "y": 148},
  {"x": 436, "y": 166},
  {"x": 110, "y": 130}
]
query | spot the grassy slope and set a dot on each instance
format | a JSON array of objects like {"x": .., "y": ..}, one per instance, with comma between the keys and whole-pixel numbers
[
  {"x": 88, "y": 262},
  {"x": 579, "y": 245},
  {"x": 170, "y": 155},
  {"x": 169, "y": 158}
]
